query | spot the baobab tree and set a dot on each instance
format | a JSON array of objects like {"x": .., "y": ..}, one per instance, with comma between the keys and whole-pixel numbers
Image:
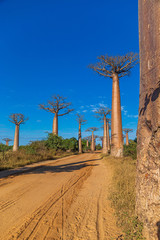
[
  {"x": 7, "y": 140},
  {"x": 123, "y": 138},
  {"x": 81, "y": 121},
  {"x": 92, "y": 129},
  {"x": 102, "y": 112},
  {"x": 101, "y": 139},
  {"x": 127, "y": 130},
  {"x": 115, "y": 67},
  {"x": 55, "y": 105},
  {"x": 88, "y": 139},
  {"x": 17, "y": 119}
]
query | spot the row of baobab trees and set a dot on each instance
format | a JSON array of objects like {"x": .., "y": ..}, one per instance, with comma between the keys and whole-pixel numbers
[
  {"x": 109, "y": 67},
  {"x": 58, "y": 102}
]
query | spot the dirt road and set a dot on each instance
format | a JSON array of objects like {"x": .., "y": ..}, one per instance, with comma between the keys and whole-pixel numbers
[{"x": 66, "y": 199}]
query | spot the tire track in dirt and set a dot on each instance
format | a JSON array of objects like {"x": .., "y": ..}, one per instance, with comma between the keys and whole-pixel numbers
[
  {"x": 31, "y": 228},
  {"x": 100, "y": 228}
]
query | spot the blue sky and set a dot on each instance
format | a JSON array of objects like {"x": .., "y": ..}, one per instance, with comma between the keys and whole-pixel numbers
[{"x": 45, "y": 49}]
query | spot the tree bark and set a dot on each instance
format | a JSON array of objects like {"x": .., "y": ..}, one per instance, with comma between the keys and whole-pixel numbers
[
  {"x": 79, "y": 139},
  {"x": 127, "y": 140},
  {"x": 92, "y": 143},
  {"x": 116, "y": 120},
  {"x": 7, "y": 143},
  {"x": 16, "y": 139},
  {"x": 105, "y": 147},
  {"x": 148, "y": 133},
  {"x": 108, "y": 139},
  {"x": 87, "y": 143},
  {"x": 55, "y": 124}
]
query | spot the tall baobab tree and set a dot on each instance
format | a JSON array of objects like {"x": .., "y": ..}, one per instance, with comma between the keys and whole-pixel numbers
[
  {"x": 92, "y": 129},
  {"x": 101, "y": 139},
  {"x": 7, "y": 140},
  {"x": 123, "y": 138},
  {"x": 81, "y": 121},
  {"x": 17, "y": 119},
  {"x": 115, "y": 67},
  {"x": 102, "y": 112},
  {"x": 56, "y": 104},
  {"x": 88, "y": 139},
  {"x": 127, "y": 130}
]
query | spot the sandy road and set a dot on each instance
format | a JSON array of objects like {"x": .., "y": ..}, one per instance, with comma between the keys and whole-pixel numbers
[{"x": 66, "y": 199}]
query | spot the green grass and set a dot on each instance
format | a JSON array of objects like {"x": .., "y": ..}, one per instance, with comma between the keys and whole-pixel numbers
[{"x": 122, "y": 196}]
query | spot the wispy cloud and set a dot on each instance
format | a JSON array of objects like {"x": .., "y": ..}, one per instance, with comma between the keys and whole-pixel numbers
[
  {"x": 124, "y": 110},
  {"x": 132, "y": 116},
  {"x": 38, "y": 121}
]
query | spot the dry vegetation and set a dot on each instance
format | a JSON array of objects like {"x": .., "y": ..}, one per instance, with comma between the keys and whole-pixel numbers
[
  {"x": 122, "y": 196},
  {"x": 21, "y": 158}
]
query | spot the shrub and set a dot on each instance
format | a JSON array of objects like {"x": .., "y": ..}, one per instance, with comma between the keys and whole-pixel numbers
[
  {"x": 70, "y": 144},
  {"x": 54, "y": 142},
  {"x": 131, "y": 149}
]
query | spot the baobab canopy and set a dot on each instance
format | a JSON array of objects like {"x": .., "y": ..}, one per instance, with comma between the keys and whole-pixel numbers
[{"x": 121, "y": 65}]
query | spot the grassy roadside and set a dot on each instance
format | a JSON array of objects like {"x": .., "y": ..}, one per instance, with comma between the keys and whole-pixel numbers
[
  {"x": 122, "y": 196},
  {"x": 21, "y": 158}
]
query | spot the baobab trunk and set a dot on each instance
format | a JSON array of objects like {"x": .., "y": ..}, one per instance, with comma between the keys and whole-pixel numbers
[
  {"x": 7, "y": 143},
  {"x": 105, "y": 147},
  {"x": 87, "y": 143},
  {"x": 116, "y": 120},
  {"x": 55, "y": 124},
  {"x": 16, "y": 139},
  {"x": 79, "y": 139},
  {"x": 127, "y": 140},
  {"x": 92, "y": 143},
  {"x": 148, "y": 133},
  {"x": 108, "y": 139}
]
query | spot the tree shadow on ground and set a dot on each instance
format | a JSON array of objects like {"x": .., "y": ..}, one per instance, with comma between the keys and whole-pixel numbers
[
  {"x": 68, "y": 167},
  {"x": 150, "y": 97},
  {"x": 158, "y": 230}
]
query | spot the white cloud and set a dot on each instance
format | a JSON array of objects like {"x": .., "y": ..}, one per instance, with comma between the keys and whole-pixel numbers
[
  {"x": 123, "y": 110},
  {"x": 132, "y": 116}
]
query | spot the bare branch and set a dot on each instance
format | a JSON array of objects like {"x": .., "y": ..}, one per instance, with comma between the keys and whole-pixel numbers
[
  {"x": 91, "y": 129},
  {"x": 127, "y": 130},
  {"x": 7, "y": 139},
  {"x": 17, "y": 118},
  {"x": 121, "y": 65},
  {"x": 80, "y": 119},
  {"x": 102, "y": 112},
  {"x": 56, "y": 104}
]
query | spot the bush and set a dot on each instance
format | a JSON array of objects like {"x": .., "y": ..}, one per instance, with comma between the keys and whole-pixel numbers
[
  {"x": 54, "y": 142},
  {"x": 70, "y": 144},
  {"x": 98, "y": 147},
  {"x": 131, "y": 149}
]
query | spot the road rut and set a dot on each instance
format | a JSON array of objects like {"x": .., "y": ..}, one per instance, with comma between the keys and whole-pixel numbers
[{"x": 64, "y": 200}]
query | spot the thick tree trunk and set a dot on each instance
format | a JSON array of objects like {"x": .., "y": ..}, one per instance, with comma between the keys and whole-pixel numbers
[
  {"x": 87, "y": 143},
  {"x": 108, "y": 139},
  {"x": 127, "y": 140},
  {"x": 7, "y": 143},
  {"x": 92, "y": 143},
  {"x": 116, "y": 120},
  {"x": 148, "y": 133},
  {"x": 105, "y": 147},
  {"x": 55, "y": 124},
  {"x": 16, "y": 139},
  {"x": 79, "y": 140}
]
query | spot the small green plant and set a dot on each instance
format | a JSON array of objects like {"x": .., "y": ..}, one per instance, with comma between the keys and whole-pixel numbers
[{"x": 131, "y": 149}]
